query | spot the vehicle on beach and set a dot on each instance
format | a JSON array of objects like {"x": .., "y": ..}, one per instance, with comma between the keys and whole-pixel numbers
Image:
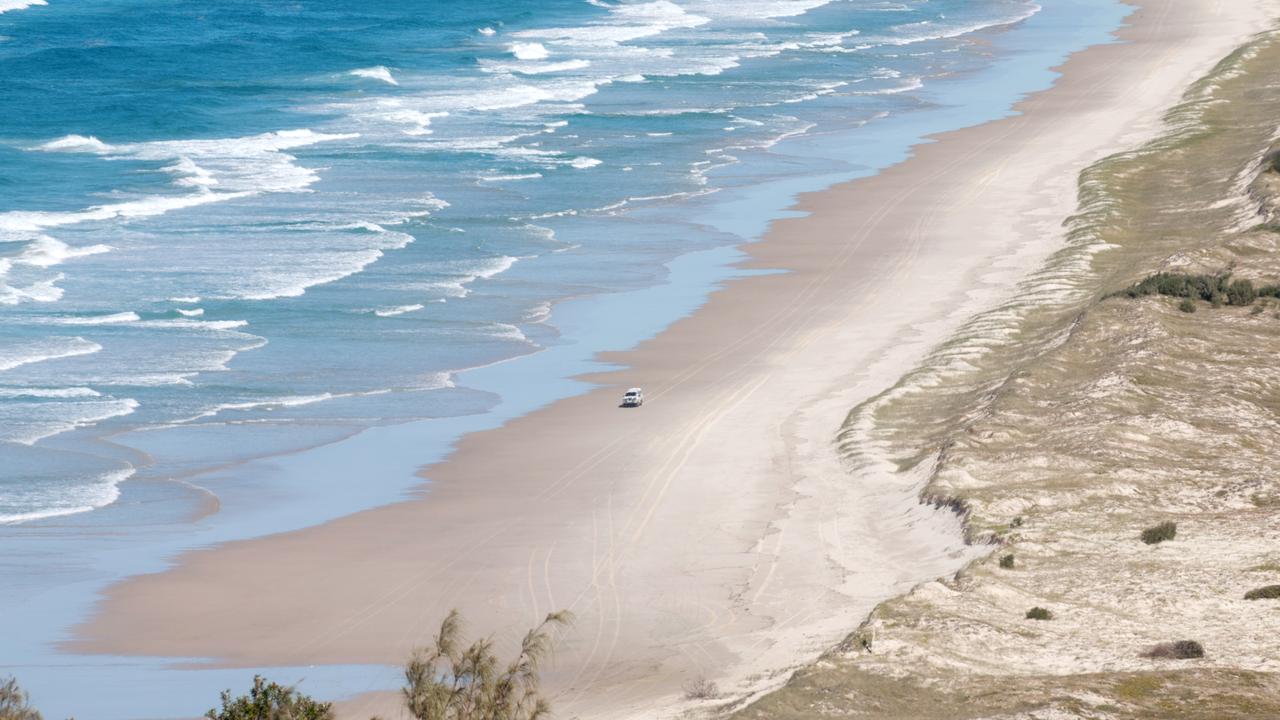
[{"x": 633, "y": 398}]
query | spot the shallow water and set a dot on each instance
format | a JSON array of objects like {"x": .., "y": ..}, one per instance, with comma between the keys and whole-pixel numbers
[{"x": 232, "y": 233}]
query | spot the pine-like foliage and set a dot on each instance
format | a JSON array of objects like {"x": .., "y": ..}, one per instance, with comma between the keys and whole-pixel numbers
[
  {"x": 13, "y": 703},
  {"x": 447, "y": 681}
]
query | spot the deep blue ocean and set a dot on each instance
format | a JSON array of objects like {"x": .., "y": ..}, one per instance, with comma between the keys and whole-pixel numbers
[{"x": 233, "y": 231}]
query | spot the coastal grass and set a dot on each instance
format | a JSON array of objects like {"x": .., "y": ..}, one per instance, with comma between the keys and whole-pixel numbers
[
  {"x": 1159, "y": 533},
  {"x": 1138, "y": 687},
  {"x": 1187, "y": 692}
]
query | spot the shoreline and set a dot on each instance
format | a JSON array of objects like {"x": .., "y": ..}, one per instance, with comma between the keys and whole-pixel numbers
[{"x": 777, "y": 352}]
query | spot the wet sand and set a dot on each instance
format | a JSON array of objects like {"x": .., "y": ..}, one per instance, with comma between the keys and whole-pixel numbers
[{"x": 714, "y": 532}]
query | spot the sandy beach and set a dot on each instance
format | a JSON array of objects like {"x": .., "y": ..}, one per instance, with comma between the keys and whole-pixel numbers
[{"x": 715, "y": 532}]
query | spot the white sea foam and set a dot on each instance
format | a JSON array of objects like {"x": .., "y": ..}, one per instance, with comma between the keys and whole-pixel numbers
[
  {"x": 315, "y": 270},
  {"x": 269, "y": 404},
  {"x": 529, "y": 51},
  {"x": 535, "y": 68},
  {"x": 583, "y": 163},
  {"x": 46, "y": 290},
  {"x": 428, "y": 203},
  {"x": 913, "y": 83},
  {"x": 509, "y": 178},
  {"x": 45, "y": 251},
  {"x": 539, "y": 314},
  {"x": 186, "y": 300},
  {"x": 109, "y": 319},
  {"x": 755, "y": 9},
  {"x": 437, "y": 381},
  {"x": 10, "y": 5},
  {"x": 819, "y": 91},
  {"x": 150, "y": 379},
  {"x": 930, "y": 30},
  {"x": 327, "y": 253},
  {"x": 239, "y": 167},
  {"x": 16, "y": 222},
  {"x": 189, "y": 324},
  {"x": 498, "y": 91},
  {"x": 624, "y": 24},
  {"x": 398, "y": 310},
  {"x": 80, "y": 498},
  {"x": 397, "y": 111},
  {"x": 44, "y": 420},
  {"x": 197, "y": 312},
  {"x": 37, "y": 392},
  {"x": 466, "y": 272},
  {"x": 506, "y": 331},
  {"x": 487, "y": 31},
  {"x": 41, "y": 251},
  {"x": 52, "y": 348},
  {"x": 378, "y": 72},
  {"x": 77, "y": 143}
]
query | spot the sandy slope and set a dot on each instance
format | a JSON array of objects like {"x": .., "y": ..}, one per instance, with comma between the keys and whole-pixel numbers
[
  {"x": 1139, "y": 413},
  {"x": 713, "y": 532}
]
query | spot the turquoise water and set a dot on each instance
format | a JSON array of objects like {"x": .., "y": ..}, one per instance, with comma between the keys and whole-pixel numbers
[{"x": 232, "y": 232}]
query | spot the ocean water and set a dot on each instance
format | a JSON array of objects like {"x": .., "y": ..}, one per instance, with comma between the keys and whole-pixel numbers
[
  {"x": 309, "y": 216},
  {"x": 234, "y": 231}
]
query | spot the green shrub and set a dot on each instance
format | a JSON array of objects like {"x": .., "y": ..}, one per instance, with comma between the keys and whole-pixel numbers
[
  {"x": 1160, "y": 533},
  {"x": 1006, "y": 562},
  {"x": 449, "y": 682},
  {"x": 1179, "y": 650},
  {"x": 270, "y": 701},
  {"x": 1269, "y": 592},
  {"x": 14, "y": 703},
  {"x": 1039, "y": 613},
  {"x": 1187, "y": 305},
  {"x": 1217, "y": 289},
  {"x": 1241, "y": 293},
  {"x": 1178, "y": 285}
]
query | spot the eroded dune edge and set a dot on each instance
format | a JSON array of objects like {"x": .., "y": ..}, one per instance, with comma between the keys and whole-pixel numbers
[{"x": 1068, "y": 420}]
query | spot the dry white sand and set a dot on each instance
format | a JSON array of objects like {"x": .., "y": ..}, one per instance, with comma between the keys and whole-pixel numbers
[{"x": 715, "y": 531}]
